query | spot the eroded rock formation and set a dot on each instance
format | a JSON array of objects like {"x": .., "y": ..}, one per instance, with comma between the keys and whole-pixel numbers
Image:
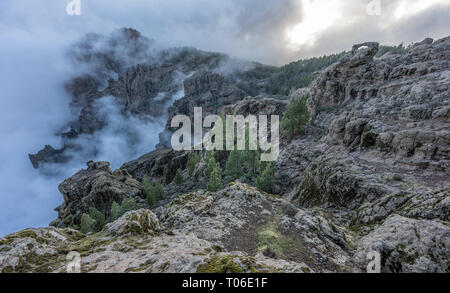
[{"x": 370, "y": 173}]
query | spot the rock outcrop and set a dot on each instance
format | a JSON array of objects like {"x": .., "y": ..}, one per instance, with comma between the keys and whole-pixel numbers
[
  {"x": 97, "y": 187},
  {"x": 48, "y": 155},
  {"x": 369, "y": 173},
  {"x": 139, "y": 242},
  {"x": 408, "y": 246}
]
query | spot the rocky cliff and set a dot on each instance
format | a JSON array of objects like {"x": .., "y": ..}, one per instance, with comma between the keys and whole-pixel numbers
[{"x": 368, "y": 173}]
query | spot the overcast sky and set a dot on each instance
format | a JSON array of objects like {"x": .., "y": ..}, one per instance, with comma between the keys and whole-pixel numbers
[
  {"x": 34, "y": 35},
  {"x": 269, "y": 31}
]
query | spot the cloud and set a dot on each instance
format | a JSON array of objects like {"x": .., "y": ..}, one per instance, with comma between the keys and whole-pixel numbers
[
  {"x": 33, "y": 105},
  {"x": 260, "y": 30},
  {"x": 399, "y": 22}
]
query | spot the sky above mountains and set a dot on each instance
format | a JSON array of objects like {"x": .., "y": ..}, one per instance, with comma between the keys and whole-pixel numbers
[{"x": 273, "y": 32}]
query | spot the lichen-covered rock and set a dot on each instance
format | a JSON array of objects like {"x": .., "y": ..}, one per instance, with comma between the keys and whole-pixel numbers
[
  {"x": 338, "y": 183},
  {"x": 241, "y": 218},
  {"x": 409, "y": 246},
  {"x": 134, "y": 222},
  {"x": 422, "y": 204},
  {"x": 327, "y": 182},
  {"x": 34, "y": 250},
  {"x": 134, "y": 243}
]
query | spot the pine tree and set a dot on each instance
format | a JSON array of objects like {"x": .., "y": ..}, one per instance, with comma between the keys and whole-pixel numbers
[
  {"x": 147, "y": 184},
  {"x": 153, "y": 191},
  {"x": 250, "y": 161},
  {"x": 128, "y": 204},
  {"x": 179, "y": 179},
  {"x": 249, "y": 157},
  {"x": 266, "y": 180},
  {"x": 151, "y": 200},
  {"x": 99, "y": 219},
  {"x": 233, "y": 167},
  {"x": 116, "y": 211},
  {"x": 210, "y": 163},
  {"x": 158, "y": 191},
  {"x": 192, "y": 163},
  {"x": 215, "y": 181},
  {"x": 87, "y": 224},
  {"x": 166, "y": 179},
  {"x": 148, "y": 187},
  {"x": 295, "y": 118}
]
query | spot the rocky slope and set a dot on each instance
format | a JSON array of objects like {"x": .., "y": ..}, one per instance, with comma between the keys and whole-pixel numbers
[{"x": 370, "y": 173}]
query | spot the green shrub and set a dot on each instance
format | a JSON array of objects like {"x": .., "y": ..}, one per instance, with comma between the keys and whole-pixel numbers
[
  {"x": 128, "y": 204},
  {"x": 179, "y": 179},
  {"x": 210, "y": 163},
  {"x": 233, "y": 167},
  {"x": 87, "y": 224},
  {"x": 116, "y": 211},
  {"x": 215, "y": 181},
  {"x": 153, "y": 191},
  {"x": 99, "y": 219},
  {"x": 397, "y": 177},
  {"x": 166, "y": 179},
  {"x": 295, "y": 118},
  {"x": 192, "y": 163},
  {"x": 266, "y": 180}
]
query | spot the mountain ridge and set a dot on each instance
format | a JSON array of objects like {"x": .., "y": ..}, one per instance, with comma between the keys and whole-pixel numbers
[{"x": 368, "y": 172}]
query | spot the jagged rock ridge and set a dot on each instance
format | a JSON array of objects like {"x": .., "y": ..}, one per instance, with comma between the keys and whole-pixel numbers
[{"x": 369, "y": 174}]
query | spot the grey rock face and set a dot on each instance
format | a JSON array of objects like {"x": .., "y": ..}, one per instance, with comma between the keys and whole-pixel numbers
[
  {"x": 96, "y": 187},
  {"x": 161, "y": 164},
  {"x": 382, "y": 109},
  {"x": 380, "y": 163},
  {"x": 389, "y": 102},
  {"x": 408, "y": 245},
  {"x": 260, "y": 105},
  {"x": 208, "y": 90},
  {"x": 142, "y": 81}
]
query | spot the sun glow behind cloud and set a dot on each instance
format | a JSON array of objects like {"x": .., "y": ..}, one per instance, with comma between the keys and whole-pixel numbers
[
  {"x": 407, "y": 8},
  {"x": 317, "y": 17}
]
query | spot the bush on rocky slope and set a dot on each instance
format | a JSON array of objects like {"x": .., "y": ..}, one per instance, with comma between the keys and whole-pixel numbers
[
  {"x": 153, "y": 190},
  {"x": 295, "y": 118},
  {"x": 128, "y": 204}
]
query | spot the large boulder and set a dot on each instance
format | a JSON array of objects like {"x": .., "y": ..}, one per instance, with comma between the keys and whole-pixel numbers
[{"x": 134, "y": 222}]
